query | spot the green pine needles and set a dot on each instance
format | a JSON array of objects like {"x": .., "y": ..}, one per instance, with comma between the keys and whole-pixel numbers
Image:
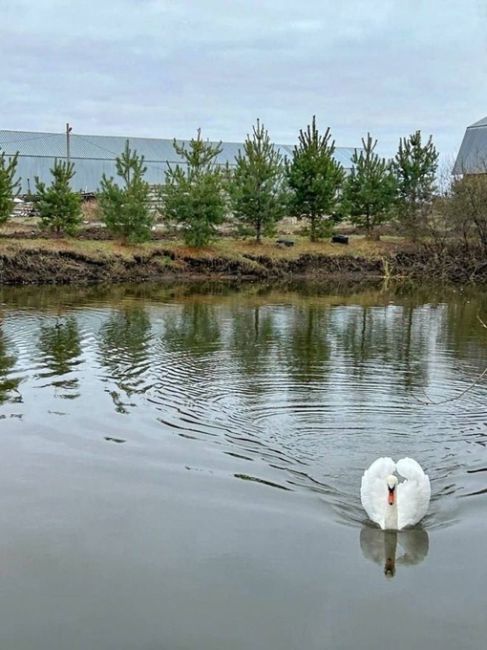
[
  {"x": 9, "y": 186},
  {"x": 257, "y": 186},
  {"x": 59, "y": 208},
  {"x": 199, "y": 193},
  {"x": 315, "y": 179},
  {"x": 125, "y": 207},
  {"x": 370, "y": 189},
  {"x": 415, "y": 167},
  {"x": 192, "y": 196}
]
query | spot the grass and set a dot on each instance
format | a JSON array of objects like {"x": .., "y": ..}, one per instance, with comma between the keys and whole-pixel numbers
[
  {"x": 358, "y": 246},
  {"x": 223, "y": 248},
  {"x": 228, "y": 247},
  {"x": 93, "y": 249}
]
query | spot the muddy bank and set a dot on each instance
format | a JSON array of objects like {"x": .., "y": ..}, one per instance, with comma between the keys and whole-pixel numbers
[{"x": 37, "y": 265}]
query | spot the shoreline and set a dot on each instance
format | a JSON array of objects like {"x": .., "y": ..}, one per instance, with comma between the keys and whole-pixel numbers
[{"x": 78, "y": 262}]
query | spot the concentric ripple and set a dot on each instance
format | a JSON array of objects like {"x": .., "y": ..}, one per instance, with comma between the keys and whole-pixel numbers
[{"x": 314, "y": 387}]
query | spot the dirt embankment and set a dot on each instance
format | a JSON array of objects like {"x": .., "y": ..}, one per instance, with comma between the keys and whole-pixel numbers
[
  {"x": 62, "y": 263},
  {"x": 41, "y": 266}
]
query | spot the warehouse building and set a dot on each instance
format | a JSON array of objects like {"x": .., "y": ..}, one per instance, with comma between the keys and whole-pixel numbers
[
  {"x": 94, "y": 155},
  {"x": 472, "y": 157}
]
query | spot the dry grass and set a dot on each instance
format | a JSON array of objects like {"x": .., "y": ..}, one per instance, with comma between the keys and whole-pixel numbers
[
  {"x": 91, "y": 249},
  {"x": 90, "y": 211},
  {"x": 358, "y": 247},
  {"x": 19, "y": 224},
  {"x": 228, "y": 248}
]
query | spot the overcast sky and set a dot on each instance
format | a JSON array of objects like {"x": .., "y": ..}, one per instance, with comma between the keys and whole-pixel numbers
[{"x": 161, "y": 68}]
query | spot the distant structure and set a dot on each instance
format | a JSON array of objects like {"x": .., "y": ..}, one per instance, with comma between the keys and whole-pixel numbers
[
  {"x": 94, "y": 155},
  {"x": 472, "y": 157}
]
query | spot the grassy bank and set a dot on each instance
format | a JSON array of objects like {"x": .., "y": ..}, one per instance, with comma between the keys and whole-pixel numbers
[
  {"x": 81, "y": 261},
  {"x": 45, "y": 261}
]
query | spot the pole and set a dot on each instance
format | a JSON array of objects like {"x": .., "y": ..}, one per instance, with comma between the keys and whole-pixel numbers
[{"x": 68, "y": 150}]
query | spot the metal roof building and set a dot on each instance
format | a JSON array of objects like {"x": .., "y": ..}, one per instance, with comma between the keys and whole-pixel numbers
[
  {"x": 94, "y": 155},
  {"x": 472, "y": 157}
]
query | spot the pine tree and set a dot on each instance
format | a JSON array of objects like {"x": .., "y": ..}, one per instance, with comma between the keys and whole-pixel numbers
[
  {"x": 257, "y": 184},
  {"x": 59, "y": 208},
  {"x": 125, "y": 207},
  {"x": 9, "y": 187},
  {"x": 315, "y": 179},
  {"x": 192, "y": 196},
  {"x": 370, "y": 189},
  {"x": 415, "y": 168}
]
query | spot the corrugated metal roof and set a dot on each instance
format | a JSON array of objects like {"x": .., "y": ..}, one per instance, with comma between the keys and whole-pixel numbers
[
  {"x": 472, "y": 156},
  {"x": 482, "y": 122},
  {"x": 94, "y": 155}
]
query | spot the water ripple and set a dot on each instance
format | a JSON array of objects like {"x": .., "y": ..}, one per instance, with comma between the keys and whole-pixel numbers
[{"x": 310, "y": 388}]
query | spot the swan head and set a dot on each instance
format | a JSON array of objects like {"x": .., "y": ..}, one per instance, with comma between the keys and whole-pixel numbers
[{"x": 391, "y": 487}]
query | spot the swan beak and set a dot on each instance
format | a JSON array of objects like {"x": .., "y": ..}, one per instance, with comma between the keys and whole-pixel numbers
[{"x": 392, "y": 495}]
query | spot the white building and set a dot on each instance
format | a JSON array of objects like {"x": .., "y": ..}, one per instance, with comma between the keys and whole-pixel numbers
[
  {"x": 94, "y": 155},
  {"x": 472, "y": 157}
]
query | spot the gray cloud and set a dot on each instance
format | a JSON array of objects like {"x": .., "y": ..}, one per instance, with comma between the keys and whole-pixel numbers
[{"x": 162, "y": 68}]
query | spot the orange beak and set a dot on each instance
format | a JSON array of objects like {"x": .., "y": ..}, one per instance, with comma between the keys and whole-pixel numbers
[{"x": 392, "y": 496}]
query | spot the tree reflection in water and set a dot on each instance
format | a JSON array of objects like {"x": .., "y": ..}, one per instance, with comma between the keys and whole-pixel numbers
[
  {"x": 60, "y": 349},
  {"x": 195, "y": 329},
  {"x": 307, "y": 347},
  {"x": 8, "y": 384},
  {"x": 125, "y": 352},
  {"x": 253, "y": 336}
]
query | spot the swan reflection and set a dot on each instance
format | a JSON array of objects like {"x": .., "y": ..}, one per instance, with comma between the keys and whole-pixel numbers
[{"x": 391, "y": 547}]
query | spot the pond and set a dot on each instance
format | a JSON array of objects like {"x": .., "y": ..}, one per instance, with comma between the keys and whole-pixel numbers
[{"x": 181, "y": 467}]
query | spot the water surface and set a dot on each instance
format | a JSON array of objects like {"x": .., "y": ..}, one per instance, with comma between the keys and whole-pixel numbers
[{"x": 181, "y": 467}]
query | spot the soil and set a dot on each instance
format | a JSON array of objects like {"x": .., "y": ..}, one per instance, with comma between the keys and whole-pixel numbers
[{"x": 41, "y": 265}]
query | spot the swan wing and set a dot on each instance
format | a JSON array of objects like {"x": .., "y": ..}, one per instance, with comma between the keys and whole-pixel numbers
[
  {"x": 414, "y": 545},
  {"x": 373, "y": 491},
  {"x": 413, "y": 495},
  {"x": 372, "y": 544}
]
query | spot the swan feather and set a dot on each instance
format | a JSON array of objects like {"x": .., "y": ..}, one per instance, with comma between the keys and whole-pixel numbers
[
  {"x": 413, "y": 494},
  {"x": 373, "y": 491}
]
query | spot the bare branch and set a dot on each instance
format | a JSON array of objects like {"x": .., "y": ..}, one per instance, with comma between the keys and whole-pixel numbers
[
  {"x": 481, "y": 322},
  {"x": 431, "y": 402}
]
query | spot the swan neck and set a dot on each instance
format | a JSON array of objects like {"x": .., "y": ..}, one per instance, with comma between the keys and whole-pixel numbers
[
  {"x": 390, "y": 547},
  {"x": 390, "y": 520}
]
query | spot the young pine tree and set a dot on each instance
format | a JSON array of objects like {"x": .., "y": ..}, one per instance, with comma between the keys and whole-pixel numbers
[
  {"x": 370, "y": 189},
  {"x": 9, "y": 187},
  {"x": 58, "y": 206},
  {"x": 415, "y": 168},
  {"x": 125, "y": 207},
  {"x": 315, "y": 179},
  {"x": 192, "y": 196},
  {"x": 257, "y": 184}
]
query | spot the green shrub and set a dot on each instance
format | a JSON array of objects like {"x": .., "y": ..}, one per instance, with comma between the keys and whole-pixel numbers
[
  {"x": 257, "y": 185},
  {"x": 193, "y": 196},
  {"x": 125, "y": 208},
  {"x": 370, "y": 189},
  {"x": 9, "y": 187},
  {"x": 59, "y": 208},
  {"x": 315, "y": 179}
]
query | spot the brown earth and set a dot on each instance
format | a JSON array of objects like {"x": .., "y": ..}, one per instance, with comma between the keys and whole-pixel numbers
[{"x": 65, "y": 261}]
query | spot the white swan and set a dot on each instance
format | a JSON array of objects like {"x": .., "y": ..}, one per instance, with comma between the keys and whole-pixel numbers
[{"x": 390, "y": 503}]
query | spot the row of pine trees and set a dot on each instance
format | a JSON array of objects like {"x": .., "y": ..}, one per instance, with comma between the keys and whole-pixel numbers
[{"x": 256, "y": 192}]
